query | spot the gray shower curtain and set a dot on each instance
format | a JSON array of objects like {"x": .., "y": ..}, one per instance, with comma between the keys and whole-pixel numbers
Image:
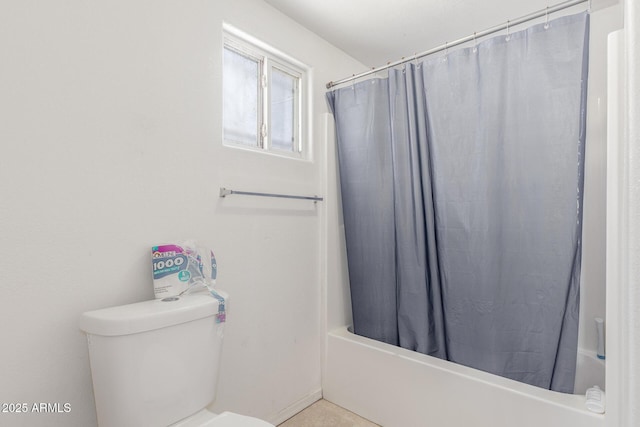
[{"x": 462, "y": 182}]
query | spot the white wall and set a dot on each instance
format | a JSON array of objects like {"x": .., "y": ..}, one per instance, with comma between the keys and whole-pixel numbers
[
  {"x": 623, "y": 234},
  {"x": 593, "y": 276},
  {"x": 630, "y": 333},
  {"x": 110, "y": 131}
]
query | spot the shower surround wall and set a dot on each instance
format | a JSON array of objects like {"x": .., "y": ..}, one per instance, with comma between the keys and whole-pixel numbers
[
  {"x": 110, "y": 126},
  {"x": 604, "y": 20}
]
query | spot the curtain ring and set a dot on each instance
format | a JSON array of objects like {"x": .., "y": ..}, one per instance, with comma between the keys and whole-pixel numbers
[
  {"x": 546, "y": 19},
  {"x": 508, "y": 34},
  {"x": 475, "y": 43}
]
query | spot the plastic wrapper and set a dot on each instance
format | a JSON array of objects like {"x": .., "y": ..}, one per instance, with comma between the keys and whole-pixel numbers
[{"x": 186, "y": 267}]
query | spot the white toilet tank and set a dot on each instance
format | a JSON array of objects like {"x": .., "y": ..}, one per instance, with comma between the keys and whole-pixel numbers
[{"x": 155, "y": 362}]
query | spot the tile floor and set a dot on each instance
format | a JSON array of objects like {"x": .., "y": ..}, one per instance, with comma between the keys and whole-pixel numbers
[{"x": 325, "y": 414}]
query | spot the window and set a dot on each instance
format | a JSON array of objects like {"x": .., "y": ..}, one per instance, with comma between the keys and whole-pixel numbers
[{"x": 263, "y": 96}]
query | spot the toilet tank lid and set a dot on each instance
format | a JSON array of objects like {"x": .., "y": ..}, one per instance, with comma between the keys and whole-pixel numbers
[{"x": 148, "y": 315}]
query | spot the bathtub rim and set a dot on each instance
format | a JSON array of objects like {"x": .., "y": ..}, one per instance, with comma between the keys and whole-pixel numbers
[{"x": 574, "y": 402}]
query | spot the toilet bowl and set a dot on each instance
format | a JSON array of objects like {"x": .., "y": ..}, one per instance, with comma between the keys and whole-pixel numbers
[{"x": 155, "y": 363}]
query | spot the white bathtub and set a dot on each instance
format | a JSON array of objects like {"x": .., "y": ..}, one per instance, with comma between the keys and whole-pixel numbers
[
  {"x": 395, "y": 387},
  {"x": 590, "y": 371}
]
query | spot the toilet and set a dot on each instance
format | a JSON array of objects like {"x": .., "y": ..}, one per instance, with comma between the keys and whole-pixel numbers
[{"x": 155, "y": 363}]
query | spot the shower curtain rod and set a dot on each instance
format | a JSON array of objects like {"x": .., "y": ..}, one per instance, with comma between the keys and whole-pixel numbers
[{"x": 549, "y": 9}]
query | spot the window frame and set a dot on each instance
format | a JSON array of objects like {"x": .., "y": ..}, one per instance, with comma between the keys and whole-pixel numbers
[{"x": 269, "y": 59}]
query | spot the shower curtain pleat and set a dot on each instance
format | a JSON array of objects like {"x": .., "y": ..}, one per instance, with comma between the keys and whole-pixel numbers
[
  {"x": 419, "y": 302},
  {"x": 462, "y": 183},
  {"x": 366, "y": 176}
]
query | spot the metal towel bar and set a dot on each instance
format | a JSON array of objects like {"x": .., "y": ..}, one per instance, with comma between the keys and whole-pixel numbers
[{"x": 227, "y": 192}]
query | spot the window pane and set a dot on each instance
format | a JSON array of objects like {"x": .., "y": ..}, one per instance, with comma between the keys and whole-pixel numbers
[
  {"x": 241, "y": 98},
  {"x": 283, "y": 105}
]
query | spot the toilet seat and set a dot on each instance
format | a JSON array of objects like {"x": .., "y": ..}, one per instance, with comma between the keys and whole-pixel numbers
[{"x": 206, "y": 418}]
